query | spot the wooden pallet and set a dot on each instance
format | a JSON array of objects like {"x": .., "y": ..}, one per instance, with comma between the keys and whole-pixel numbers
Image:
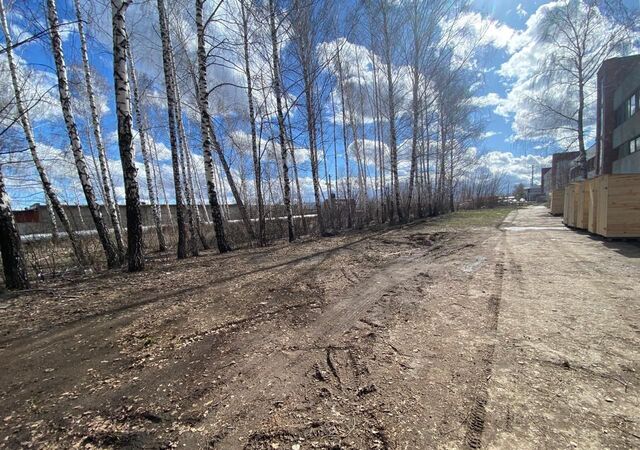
[
  {"x": 618, "y": 206},
  {"x": 557, "y": 202}
]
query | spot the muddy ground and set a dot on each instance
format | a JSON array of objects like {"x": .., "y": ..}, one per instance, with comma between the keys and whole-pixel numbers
[{"x": 461, "y": 332}]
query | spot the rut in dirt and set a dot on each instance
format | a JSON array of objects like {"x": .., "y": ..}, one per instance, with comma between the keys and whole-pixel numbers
[{"x": 477, "y": 414}]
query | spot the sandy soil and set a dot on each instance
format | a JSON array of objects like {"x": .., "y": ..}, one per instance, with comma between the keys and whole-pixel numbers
[{"x": 443, "y": 334}]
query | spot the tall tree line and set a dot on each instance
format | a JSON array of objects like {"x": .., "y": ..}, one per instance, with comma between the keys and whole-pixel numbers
[{"x": 294, "y": 115}]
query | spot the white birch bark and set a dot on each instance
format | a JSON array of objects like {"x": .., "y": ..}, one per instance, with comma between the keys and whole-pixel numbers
[
  {"x": 25, "y": 122},
  {"x": 173, "y": 141},
  {"x": 74, "y": 138},
  {"x": 135, "y": 250},
  {"x": 205, "y": 127},
  {"x": 257, "y": 165},
  {"x": 13, "y": 262},
  {"x": 281, "y": 126},
  {"x": 186, "y": 176},
  {"x": 144, "y": 149},
  {"x": 107, "y": 185}
]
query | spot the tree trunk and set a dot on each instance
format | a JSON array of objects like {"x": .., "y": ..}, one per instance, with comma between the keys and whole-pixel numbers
[
  {"x": 363, "y": 150},
  {"x": 306, "y": 58},
  {"x": 257, "y": 166},
  {"x": 25, "y": 122},
  {"x": 415, "y": 106},
  {"x": 135, "y": 252},
  {"x": 74, "y": 138},
  {"x": 281, "y": 128},
  {"x": 13, "y": 262},
  {"x": 97, "y": 134},
  {"x": 584, "y": 166},
  {"x": 378, "y": 138},
  {"x": 194, "y": 231},
  {"x": 158, "y": 176},
  {"x": 52, "y": 217},
  {"x": 232, "y": 184},
  {"x": 144, "y": 149},
  {"x": 344, "y": 139},
  {"x": 205, "y": 127},
  {"x": 175, "y": 161},
  {"x": 294, "y": 165},
  {"x": 392, "y": 113}
]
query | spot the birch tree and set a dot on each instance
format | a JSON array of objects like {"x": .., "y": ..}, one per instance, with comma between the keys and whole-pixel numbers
[
  {"x": 173, "y": 141},
  {"x": 255, "y": 153},
  {"x": 277, "y": 91},
  {"x": 13, "y": 262},
  {"x": 25, "y": 122},
  {"x": 135, "y": 254},
  {"x": 385, "y": 10},
  {"x": 187, "y": 184},
  {"x": 144, "y": 150},
  {"x": 304, "y": 23},
  {"x": 205, "y": 126},
  {"x": 107, "y": 184},
  {"x": 553, "y": 97},
  {"x": 74, "y": 138}
]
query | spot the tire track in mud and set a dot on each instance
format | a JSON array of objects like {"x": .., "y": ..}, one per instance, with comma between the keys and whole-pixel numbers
[
  {"x": 477, "y": 413},
  {"x": 326, "y": 333}
]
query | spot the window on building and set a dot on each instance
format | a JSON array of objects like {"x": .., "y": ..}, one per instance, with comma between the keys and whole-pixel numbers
[
  {"x": 623, "y": 150},
  {"x": 628, "y": 109},
  {"x": 629, "y": 147},
  {"x": 634, "y": 145}
]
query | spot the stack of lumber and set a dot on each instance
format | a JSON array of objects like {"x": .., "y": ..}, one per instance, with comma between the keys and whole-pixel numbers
[
  {"x": 618, "y": 206},
  {"x": 594, "y": 189},
  {"x": 569, "y": 216},
  {"x": 557, "y": 202},
  {"x": 582, "y": 204}
]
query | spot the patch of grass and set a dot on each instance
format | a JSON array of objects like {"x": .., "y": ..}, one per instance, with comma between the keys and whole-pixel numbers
[{"x": 487, "y": 217}]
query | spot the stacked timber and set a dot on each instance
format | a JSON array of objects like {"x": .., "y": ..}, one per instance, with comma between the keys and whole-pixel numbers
[
  {"x": 582, "y": 204},
  {"x": 594, "y": 189},
  {"x": 570, "y": 205},
  {"x": 557, "y": 202},
  {"x": 567, "y": 202},
  {"x": 618, "y": 206}
]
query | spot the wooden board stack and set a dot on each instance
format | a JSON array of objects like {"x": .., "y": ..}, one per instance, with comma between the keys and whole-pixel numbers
[
  {"x": 618, "y": 206},
  {"x": 557, "y": 202}
]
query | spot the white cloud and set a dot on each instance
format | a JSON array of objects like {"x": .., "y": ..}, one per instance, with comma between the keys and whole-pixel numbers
[
  {"x": 472, "y": 31},
  {"x": 489, "y": 134},
  {"x": 531, "y": 99},
  {"x": 491, "y": 99},
  {"x": 37, "y": 87},
  {"x": 516, "y": 169}
]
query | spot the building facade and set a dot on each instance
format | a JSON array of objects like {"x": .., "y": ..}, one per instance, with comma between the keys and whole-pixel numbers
[
  {"x": 561, "y": 164},
  {"x": 36, "y": 218},
  {"x": 618, "y": 118}
]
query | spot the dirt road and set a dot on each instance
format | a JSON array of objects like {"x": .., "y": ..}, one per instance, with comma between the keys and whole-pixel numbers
[
  {"x": 566, "y": 367},
  {"x": 444, "y": 334}
]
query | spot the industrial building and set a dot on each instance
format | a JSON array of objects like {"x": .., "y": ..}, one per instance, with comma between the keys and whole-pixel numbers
[
  {"x": 618, "y": 124},
  {"x": 608, "y": 201}
]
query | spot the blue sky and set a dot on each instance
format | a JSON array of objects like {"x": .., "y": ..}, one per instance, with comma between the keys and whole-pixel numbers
[
  {"x": 503, "y": 21},
  {"x": 514, "y": 14}
]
